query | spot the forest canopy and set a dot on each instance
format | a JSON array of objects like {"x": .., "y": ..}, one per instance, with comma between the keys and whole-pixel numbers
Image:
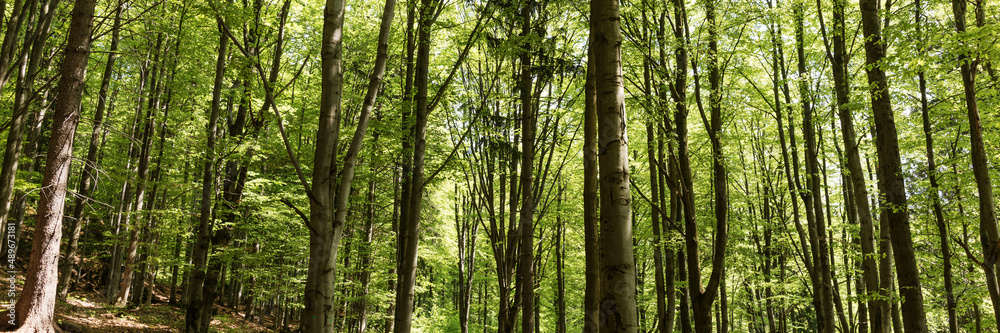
[{"x": 500, "y": 165}]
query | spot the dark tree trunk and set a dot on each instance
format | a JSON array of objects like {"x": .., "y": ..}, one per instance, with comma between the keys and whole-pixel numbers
[
  {"x": 526, "y": 272},
  {"x": 891, "y": 183},
  {"x": 194, "y": 292},
  {"x": 410, "y": 222},
  {"x": 142, "y": 174},
  {"x": 591, "y": 224},
  {"x": 932, "y": 175},
  {"x": 980, "y": 167},
  {"x": 702, "y": 299},
  {"x": 878, "y": 308}
]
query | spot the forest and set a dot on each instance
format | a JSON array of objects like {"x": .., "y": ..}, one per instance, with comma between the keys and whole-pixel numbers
[{"x": 693, "y": 166}]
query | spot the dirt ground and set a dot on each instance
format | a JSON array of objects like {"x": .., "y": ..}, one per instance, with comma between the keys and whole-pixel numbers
[{"x": 87, "y": 311}]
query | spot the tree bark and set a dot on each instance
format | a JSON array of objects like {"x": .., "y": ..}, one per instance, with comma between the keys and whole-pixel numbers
[
  {"x": 526, "y": 274},
  {"x": 702, "y": 299},
  {"x": 318, "y": 316},
  {"x": 878, "y": 307},
  {"x": 36, "y": 306},
  {"x": 142, "y": 174},
  {"x": 932, "y": 175},
  {"x": 618, "y": 273},
  {"x": 891, "y": 183},
  {"x": 410, "y": 228},
  {"x": 988, "y": 233},
  {"x": 86, "y": 176},
  {"x": 591, "y": 208},
  {"x": 194, "y": 296}
]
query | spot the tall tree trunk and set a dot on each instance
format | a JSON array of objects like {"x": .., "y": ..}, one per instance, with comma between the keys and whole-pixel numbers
[
  {"x": 891, "y": 183},
  {"x": 410, "y": 223},
  {"x": 702, "y": 299},
  {"x": 878, "y": 307},
  {"x": 193, "y": 289},
  {"x": 618, "y": 273},
  {"x": 685, "y": 308},
  {"x": 980, "y": 167},
  {"x": 560, "y": 263},
  {"x": 318, "y": 316},
  {"x": 19, "y": 112},
  {"x": 526, "y": 274},
  {"x": 932, "y": 175},
  {"x": 86, "y": 176},
  {"x": 591, "y": 222},
  {"x": 149, "y": 122},
  {"x": 28, "y": 63},
  {"x": 814, "y": 204},
  {"x": 661, "y": 306},
  {"x": 36, "y": 306},
  {"x": 18, "y": 14}
]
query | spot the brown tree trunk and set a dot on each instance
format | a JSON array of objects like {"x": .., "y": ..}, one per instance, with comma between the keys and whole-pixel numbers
[
  {"x": 878, "y": 307},
  {"x": 823, "y": 287},
  {"x": 526, "y": 274},
  {"x": 980, "y": 167},
  {"x": 932, "y": 175},
  {"x": 410, "y": 223},
  {"x": 27, "y": 71},
  {"x": 618, "y": 272},
  {"x": 19, "y": 13},
  {"x": 141, "y": 179},
  {"x": 591, "y": 224},
  {"x": 467, "y": 229},
  {"x": 194, "y": 296},
  {"x": 702, "y": 299},
  {"x": 318, "y": 316},
  {"x": 891, "y": 183},
  {"x": 656, "y": 208},
  {"x": 36, "y": 305},
  {"x": 86, "y": 178},
  {"x": 560, "y": 265}
]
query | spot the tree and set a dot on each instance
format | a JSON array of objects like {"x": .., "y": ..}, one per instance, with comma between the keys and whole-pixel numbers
[
  {"x": 36, "y": 306},
  {"x": 194, "y": 292},
  {"x": 892, "y": 188},
  {"x": 618, "y": 307},
  {"x": 987, "y": 207}
]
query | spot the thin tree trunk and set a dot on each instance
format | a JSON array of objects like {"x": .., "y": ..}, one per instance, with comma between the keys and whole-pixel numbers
[
  {"x": 932, "y": 175},
  {"x": 410, "y": 226},
  {"x": 13, "y": 29},
  {"x": 591, "y": 224},
  {"x": 702, "y": 299},
  {"x": 560, "y": 263},
  {"x": 814, "y": 205},
  {"x": 661, "y": 306},
  {"x": 685, "y": 322},
  {"x": 141, "y": 179},
  {"x": 526, "y": 272},
  {"x": 27, "y": 70}
]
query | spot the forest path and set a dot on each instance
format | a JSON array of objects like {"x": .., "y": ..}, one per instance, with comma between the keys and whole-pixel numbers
[{"x": 87, "y": 311}]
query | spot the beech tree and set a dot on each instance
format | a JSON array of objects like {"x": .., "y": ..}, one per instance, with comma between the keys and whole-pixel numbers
[{"x": 35, "y": 310}]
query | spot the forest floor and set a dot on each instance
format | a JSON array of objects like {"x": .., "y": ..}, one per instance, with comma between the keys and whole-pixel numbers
[{"x": 88, "y": 311}]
